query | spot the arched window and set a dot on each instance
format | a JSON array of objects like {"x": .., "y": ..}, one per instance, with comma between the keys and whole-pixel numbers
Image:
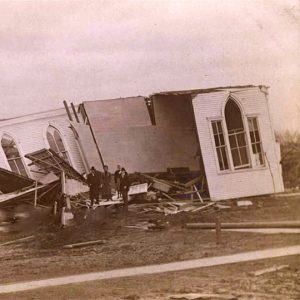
[
  {"x": 13, "y": 155},
  {"x": 236, "y": 135},
  {"x": 56, "y": 144}
]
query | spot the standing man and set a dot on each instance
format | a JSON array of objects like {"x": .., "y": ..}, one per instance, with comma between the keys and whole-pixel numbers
[
  {"x": 94, "y": 182},
  {"x": 124, "y": 187},
  {"x": 117, "y": 176},
  {"x": 106, "y": 184}
]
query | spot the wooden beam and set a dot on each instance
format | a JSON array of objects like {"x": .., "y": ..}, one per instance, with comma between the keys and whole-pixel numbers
[
  {"x": 35, "y": 194},
  {"x": 204, "y": 207},
  {"x": 18, "y": 240},
  {"x": 75, "y": 112},
  {"x": 198, "y": 194},
  {"x": 67, "y": 110},
  {"x": 282, "y": 224},
  {"x": 169, "y": 197},
  {"x": 192, "y": 182},
  {"x": 83, "y": 244}
]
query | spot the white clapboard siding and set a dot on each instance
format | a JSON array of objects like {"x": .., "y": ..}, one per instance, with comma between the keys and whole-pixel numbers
[
  {"x": 29, "y": 132},
  {"x": 247, "y": 182}
]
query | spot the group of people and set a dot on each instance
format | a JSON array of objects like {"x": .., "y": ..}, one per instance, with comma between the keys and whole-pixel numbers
[{"x": 100, "y": 183}]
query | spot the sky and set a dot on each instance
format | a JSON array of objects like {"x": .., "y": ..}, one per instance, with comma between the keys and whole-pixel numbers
[{"x": 52, "y": 51}]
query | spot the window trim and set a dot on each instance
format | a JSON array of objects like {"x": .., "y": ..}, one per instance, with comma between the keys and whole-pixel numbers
[
  {"x": 21, "y": 155},
  {"x": 254, "y": 166},
  {"x": 67, "y": 150},
  {"x": 246, "y": 131},
  {"x": 221, "y": 119}
]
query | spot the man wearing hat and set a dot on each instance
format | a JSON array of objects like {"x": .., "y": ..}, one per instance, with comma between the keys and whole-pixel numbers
[{"x": 94, "y": 182}]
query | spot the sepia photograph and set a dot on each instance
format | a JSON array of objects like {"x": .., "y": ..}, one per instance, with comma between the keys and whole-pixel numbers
[{"x": 150, "y": 150}]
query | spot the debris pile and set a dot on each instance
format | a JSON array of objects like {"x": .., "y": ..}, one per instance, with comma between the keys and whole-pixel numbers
[{"x": 64, "y": 191}]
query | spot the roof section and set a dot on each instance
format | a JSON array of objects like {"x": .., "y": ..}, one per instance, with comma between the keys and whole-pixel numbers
[
  {"x": 10, "y": 181},
  {"x": 49, "y": 161},
  {"x": 117, "y": 113},
  {"x": 33, "y": 116},
  {"x": 203, "y": 91}
]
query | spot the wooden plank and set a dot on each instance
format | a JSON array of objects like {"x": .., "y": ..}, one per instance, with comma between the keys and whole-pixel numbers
[
  {"x": 18, "y": 240},
  {"x": 7, "y": 197},
  {"x": 198, "y": 194},
  {"x": 47, "y": 191},
  {"x": 282, "y": 224},
  {"x": 35, "y": 194},
  {"x": 198, "y": 296},
  {"x": 169, "y": 197},
  {"x": 83, "y": 244},
  {"x": 165, "y": 182},
  {"x": 204, "y": 207},
  {"x": 192, "y": 182},
  {"x": 161, "y": 186},
  {"x": 63, "y": 182},
  {"x": 138, "y": 189},
  {"x": 269, "y": 270},
  {"x": 34, "y": 159}
]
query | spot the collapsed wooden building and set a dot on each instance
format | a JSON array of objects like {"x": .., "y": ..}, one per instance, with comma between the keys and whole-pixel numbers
[{"x": 224, "y": 135}]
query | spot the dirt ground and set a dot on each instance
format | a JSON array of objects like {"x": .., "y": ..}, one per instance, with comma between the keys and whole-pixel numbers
[
  {"x": 43, "y": 256},
  {"x": 233, "y": 280}
]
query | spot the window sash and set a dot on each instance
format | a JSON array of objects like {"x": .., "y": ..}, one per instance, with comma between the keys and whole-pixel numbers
[
  {"x": 220, "y": 145},
  {"x": 256, "y": 144},
  {"x": 56, "y": 144},
  {"x": 17, "y": 166},
  {"x": 239, "y": 148}
]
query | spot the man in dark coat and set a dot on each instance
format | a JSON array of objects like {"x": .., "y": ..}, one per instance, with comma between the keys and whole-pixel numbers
[
  {"x": 94, "y": 182},
  {"x": 106, "y": 184},
  {"x": 117, "y": 176},
  {"x": 124, "y": 187}
]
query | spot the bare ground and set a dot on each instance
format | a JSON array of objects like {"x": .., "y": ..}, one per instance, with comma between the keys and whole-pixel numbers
[{"x": 43, "y": 257}]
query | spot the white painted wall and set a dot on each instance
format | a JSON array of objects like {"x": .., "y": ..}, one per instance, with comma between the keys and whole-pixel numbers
[
  {"x": 247, "y": 182},
  {"x": 29, "y": 132}
]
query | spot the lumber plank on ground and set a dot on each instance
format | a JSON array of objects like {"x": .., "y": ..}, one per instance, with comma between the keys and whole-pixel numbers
[
  {"x": 198, "y": 296},
  {"x": 18, "y": 240},
  {"x": 282, "y": 224},
  {"x": 269, "y": 270},
  {"x": 83, "y": 244},
  {"x": 204, "y": 207}
]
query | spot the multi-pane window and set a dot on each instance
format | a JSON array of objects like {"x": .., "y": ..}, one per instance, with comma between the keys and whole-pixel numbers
[
  {"x": 220, "y": 144},
  {"x": 13, "y": 155},
  {"x": 238, "y": 146},
  {"x": 56, "y": 144},
  {"x": 255, "y": 141}
]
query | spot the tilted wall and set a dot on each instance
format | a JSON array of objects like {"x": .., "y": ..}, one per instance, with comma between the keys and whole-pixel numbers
[{"x": 241, "y": 183}]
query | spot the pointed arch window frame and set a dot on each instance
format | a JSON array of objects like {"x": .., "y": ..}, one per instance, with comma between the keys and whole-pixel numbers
[
  {"x": 12, "y": 161},
  {"x": 62, "y": 153},
  {"x": 238, "y": 147},
  {"x": 249, "y": 143}
]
